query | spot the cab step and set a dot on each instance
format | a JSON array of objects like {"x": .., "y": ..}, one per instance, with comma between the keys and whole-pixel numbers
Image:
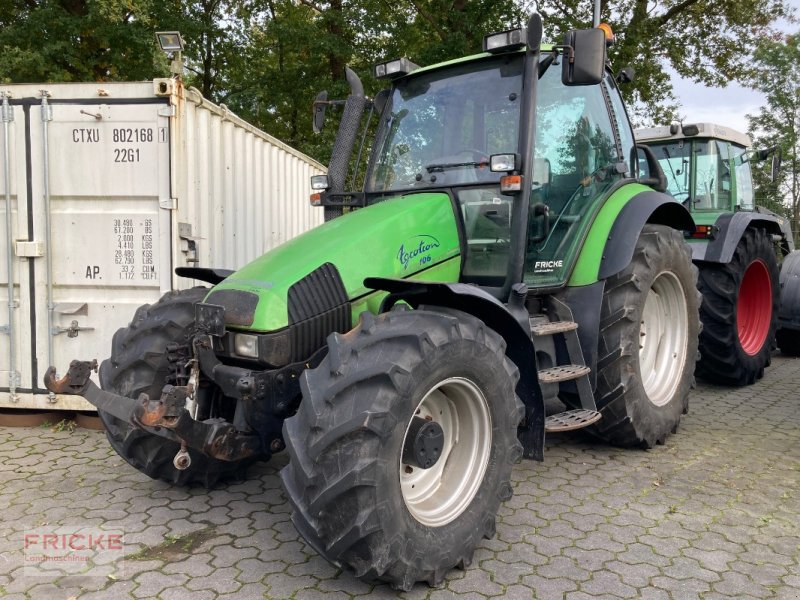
[
  {"x": 571, "y": 420},
  {"x": 552, "y": 328},
  {"x": 563, "y": 373}
]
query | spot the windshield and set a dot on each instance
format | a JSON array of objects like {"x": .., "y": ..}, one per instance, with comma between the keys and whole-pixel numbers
[
  {"x": 710, "y": 188},
  {"x": 440, "y": 128}
]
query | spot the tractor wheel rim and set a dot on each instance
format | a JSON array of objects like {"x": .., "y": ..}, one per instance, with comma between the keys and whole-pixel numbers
[
  {"x": 438, "y": 495},
  {"x": 754, "y": 307},
  {"x": 663, "y": 338}
]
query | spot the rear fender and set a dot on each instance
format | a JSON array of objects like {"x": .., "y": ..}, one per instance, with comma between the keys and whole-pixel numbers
[
  {"x": 731, "y": 227},
  {"x": 212, "y": 276},
  {"x": 654, "y": 208},
  {"x": 519, "y": 347}
]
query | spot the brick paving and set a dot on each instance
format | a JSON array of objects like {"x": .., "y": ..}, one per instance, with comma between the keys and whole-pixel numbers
[{"x": 714, "y": 513}]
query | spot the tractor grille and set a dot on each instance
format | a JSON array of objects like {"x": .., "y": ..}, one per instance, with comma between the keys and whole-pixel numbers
[{"x": 320, "y": 291}]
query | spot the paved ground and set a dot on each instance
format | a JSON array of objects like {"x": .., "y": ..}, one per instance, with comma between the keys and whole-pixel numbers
[{"x": 713, "y": 513}]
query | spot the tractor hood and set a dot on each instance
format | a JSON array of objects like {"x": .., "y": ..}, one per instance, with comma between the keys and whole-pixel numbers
[{"x": 413, "y": 236}]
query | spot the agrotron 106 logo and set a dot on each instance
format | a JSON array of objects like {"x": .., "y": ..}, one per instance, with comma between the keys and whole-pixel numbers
[{"x": 417, "y": 250}]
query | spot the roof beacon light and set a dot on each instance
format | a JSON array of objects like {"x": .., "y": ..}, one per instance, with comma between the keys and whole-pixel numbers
[
  {"x": 394, "y": 68},
  {"x": 504, "y": 41},
  {"x": 610, "y": 37}
]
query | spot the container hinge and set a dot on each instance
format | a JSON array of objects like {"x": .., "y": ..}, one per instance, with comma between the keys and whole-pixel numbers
[
  {"x": 168, "y": 203},
  {"x": 72, "y": 331},
  {"x": 32, "y": 249},
  {"x": 167, "y": 111},
  {"x": 47, "y": 110},
  {"x": 188, "y": 242},
  {"x": 8, "y": 114},
  {"x": 4, "y": 329}
]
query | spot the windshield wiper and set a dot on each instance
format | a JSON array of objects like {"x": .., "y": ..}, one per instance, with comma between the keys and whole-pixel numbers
[
  {"x": 447, "y": 166},
  {"x": 545, "y": 63}
]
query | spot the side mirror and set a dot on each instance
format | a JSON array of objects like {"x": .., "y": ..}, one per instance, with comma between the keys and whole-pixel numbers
[
  {"x": 655, "y": 174},
  {"x": 776, "y": 165},
  {"x": 625, "y": 75},
  {"x": 380, "y": 100},
  {"x": 777, "y": 157},
  {"x": 584, "y": 61},
  {"x": 320, "y": 104}
]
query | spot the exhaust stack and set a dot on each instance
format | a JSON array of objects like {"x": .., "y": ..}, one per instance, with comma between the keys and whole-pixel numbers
[{"x": 345, "y": 140}]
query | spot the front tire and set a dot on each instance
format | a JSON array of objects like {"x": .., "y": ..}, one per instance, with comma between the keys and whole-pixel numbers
[
  {"x": 739, "y": 312},
  {"x": 648, "y": 342},
  {"x": 357, "y": 499},
  {"x": 139, "y": 364}
]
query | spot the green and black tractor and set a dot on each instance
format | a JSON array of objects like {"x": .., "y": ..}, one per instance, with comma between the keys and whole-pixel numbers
[
  {"x": 736, "y": 245},
  {"x": 503, "y": 254}
]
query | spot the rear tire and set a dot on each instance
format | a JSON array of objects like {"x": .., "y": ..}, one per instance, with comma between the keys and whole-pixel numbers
[
  {"x": 648, "y": 342},
  {"x": 788, "y": 336},
  {"x": 356, "y": 499},
  {"x": 139, "y": 364},
  {"x": 789, "y": 341},
  {"x": 739, "y": 312}
]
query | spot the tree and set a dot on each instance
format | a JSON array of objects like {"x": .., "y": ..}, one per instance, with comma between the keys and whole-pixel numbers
[
  {"x": 704, "y": 40},
  {"x": 707, "y": 41},
  {"x": 217, "y": 34},
  {"x": 77, "y": 40},
  {"x": 777, "y": 76}
]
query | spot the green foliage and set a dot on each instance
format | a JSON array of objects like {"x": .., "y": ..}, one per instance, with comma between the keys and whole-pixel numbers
[
  {"x": 706, "y": 41},
  {"x": 267, "y": 59},
  {"x": 777, "y": 76},
  {"x": 77, "y": 40}
]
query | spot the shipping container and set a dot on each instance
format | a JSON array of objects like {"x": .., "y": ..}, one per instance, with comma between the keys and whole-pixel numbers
[{"x": 105, "y": 189}]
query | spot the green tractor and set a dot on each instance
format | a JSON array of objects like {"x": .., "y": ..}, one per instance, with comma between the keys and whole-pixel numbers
[
  {"x": 735, "y": 246},
  {"x": 503, "y": 254}
]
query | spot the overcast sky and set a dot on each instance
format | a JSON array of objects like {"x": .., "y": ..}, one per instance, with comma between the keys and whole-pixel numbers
[{"x": 725, "y": 106}]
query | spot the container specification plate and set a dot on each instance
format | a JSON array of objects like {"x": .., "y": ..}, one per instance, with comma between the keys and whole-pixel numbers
[{"x": 122, "y": 250}]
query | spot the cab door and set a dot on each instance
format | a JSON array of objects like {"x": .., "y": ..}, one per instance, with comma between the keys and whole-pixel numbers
[{"x": 584, "y": 148}]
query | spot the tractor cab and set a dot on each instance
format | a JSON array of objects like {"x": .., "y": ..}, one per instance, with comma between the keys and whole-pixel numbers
[
  {"x": 528, "y": 140},
  {"x": 707, "y": 166}
]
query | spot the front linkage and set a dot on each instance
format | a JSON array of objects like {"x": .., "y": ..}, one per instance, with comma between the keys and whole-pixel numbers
[{"x": 263, "y": 399}]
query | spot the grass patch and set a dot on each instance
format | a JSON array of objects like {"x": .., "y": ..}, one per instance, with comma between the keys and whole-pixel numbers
[{"x": 174, "y": 546}]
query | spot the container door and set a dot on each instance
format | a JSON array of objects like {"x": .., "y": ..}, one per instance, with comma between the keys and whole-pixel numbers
[
  {"x": 101, "y": 202},
  {"x": 15, "y": 346}
]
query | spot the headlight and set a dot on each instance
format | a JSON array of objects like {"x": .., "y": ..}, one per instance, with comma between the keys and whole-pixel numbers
[
  {"x": 503, "y": 163},
  {"x": 394, "y": 68},
  {"x": 245, "y": 345},
  {"x": 505, "y": 40},
  {"x": 319, "y": 182}
]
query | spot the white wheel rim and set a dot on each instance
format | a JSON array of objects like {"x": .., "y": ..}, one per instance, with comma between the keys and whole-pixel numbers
[
  {"x": 663, "y": 338},
  {"x": 438, "y": 495}
]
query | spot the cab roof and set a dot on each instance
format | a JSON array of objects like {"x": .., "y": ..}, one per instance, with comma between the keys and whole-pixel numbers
[
  {"x": 472, "y": 57},
  {"x": 704, "y": 130}
]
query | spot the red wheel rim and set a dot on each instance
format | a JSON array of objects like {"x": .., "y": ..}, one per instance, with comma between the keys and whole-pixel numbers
[{"x": 754, "y": 307}]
